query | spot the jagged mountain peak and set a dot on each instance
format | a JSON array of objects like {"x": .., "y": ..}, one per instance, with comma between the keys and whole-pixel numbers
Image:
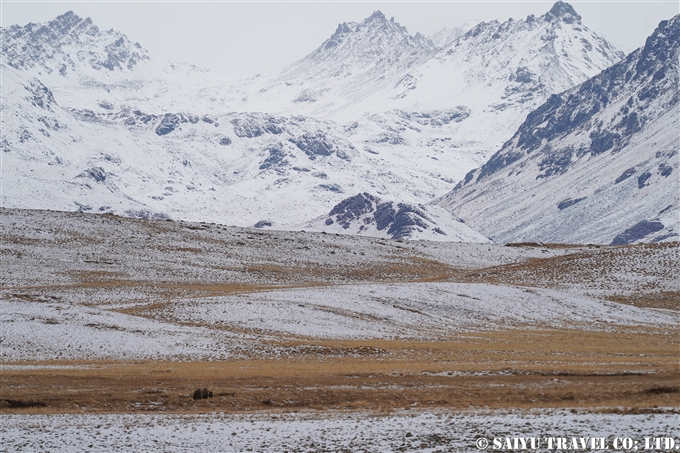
[
  {"x": 56, "y": 29},
  {"x": 564, "y": 11},
  {"x": 376, "y": 44},
  {"x": 561, "y": 12},
  {"x": 376, "y": 16},
  {"x": 66, "y": 22},
  {"x": 366, "y": 30},
  {"x": 537, "y": 55},
  {"x": 67, "y": 43}
]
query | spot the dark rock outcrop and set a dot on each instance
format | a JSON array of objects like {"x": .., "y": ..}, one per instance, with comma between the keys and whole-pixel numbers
[
  {"x": 168, "y": 124},
  {"x": 400, "y": 219},
  {"x": 257, "y": 124},
  {"x": 276, "y": 157},
  {"x": 171, "y": 121},
  {"x": 568, "y": 202},
  {"x": 315, "y": 144},
  {"x": 352, "y": 208},
  {"x": 637, "y": 232},
  {"x": 96, "y": 173}
]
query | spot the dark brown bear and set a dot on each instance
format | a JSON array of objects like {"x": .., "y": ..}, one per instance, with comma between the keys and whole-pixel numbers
[{"x": 200, "y": 394}]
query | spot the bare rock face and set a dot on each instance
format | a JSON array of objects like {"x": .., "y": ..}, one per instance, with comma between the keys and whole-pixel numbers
[
  {"x": 638, "y": 231},
  {"x": 317, "y": 143},
  {"x": 172, "y": 121}
]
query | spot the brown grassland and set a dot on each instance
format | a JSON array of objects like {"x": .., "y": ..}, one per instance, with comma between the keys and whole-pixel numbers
[{"x": 629, "y": 370}]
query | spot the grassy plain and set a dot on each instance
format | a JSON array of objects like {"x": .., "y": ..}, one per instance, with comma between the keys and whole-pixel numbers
[{"x": 630, "y": 370}]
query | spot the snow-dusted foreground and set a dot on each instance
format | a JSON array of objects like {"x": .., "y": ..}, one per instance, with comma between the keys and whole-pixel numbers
[
  {"x": 41, "y": 331},
  {"x": 78, "y": 286},
  {"x": 413, "y": 310},
  {"x": 51, "y": 329},
  {"x": 358, "y": 432}
]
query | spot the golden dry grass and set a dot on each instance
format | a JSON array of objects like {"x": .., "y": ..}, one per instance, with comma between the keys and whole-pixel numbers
[
  {"x": 635, "y": 369},
  {"x": 667, "y": 300}
]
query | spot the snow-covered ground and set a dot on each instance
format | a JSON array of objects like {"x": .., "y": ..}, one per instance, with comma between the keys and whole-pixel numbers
[
  {"x": 413, "y": 310},
  {"x": 51, "y": 329},
  {"x": 82, "y": 286},
  {"x": 309, "y": 432}
]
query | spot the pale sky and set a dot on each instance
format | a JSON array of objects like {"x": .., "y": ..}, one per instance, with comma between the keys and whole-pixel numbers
[{"x": 248, "y": 38}]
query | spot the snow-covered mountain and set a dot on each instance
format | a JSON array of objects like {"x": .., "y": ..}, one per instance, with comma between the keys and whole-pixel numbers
[
  {"x": 234, "y": 168},
  {"x": 499, "y": 71},
  {"x": 376, "y": 47},
  {"x": 101, "y": 70},
  {"x": 71, "y": 47},
  {"x": 596, "y": 163},
  {"x": 373, "y": 109}
]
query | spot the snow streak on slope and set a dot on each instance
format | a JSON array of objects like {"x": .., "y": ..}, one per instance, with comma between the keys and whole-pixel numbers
[
  {"x": 414, "y": 311},
  {"x": 597, "y": 163}
]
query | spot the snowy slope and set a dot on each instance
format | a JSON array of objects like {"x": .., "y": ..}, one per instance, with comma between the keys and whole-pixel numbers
[
  {"x": 597, "y": 163},
  {"x": 231, "y": 168}
]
